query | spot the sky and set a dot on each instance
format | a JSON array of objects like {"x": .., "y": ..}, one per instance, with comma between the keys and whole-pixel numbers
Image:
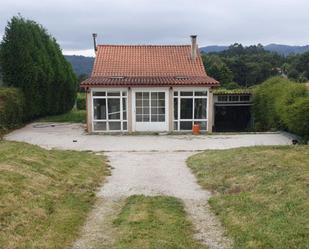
[{"x": 216, "y": 22}]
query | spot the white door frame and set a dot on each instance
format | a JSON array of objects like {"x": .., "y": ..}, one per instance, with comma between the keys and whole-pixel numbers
[{"x": 150, "y": 126}]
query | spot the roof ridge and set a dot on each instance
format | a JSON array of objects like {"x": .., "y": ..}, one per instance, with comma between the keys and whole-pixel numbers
[{"x": 143, "y": 45}]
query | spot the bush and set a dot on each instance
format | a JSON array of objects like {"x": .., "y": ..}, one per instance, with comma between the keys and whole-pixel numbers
[
  {"x": 81, "y": 101},
  {"x": 11, "y": 108},
  {"x": 277, "y": 104}
]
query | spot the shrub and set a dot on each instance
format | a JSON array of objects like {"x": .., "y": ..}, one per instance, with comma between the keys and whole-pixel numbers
[
  {"x": 81, "y": 101},
  {"x": 277, "y": 104},
  {"x": 11, "y": 108}
]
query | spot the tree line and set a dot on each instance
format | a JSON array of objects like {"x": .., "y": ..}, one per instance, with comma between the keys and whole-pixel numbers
[
  {"x": 31, "y": 60},
  {"x": 240, "y": 66}
]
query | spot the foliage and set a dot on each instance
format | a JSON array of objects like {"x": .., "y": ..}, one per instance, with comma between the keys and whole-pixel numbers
[
  {"x": 81, "y": 101},
  {"x": 32, "y": 60},
  {"x": 45, "y": 195},
  {"x": 154, "y": 222},
  {"x": 274, "y": 103},
  {"x": 297, "y": 67},
  {"x": 246, "y": 66},
  {"x": 74, "y": 116},
  {"x": 262, "y": 194},
  {"x": 11, "y": 108}
]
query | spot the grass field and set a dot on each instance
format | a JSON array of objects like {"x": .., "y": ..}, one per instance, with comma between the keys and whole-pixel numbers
[
  {"x": 261, "y": 194},
  {"x": 154, "y": 223},
  {"x": 45, "y": 195},
  {"x": 74, "y": 116}
]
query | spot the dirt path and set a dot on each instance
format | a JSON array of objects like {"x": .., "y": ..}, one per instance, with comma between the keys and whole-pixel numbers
[{"x": 151, "y": 173}]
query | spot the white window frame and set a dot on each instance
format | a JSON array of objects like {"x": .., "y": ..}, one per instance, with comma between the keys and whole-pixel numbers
[
  {"x": 178, "y": 97},
  {"x": 107, "y": 120}
]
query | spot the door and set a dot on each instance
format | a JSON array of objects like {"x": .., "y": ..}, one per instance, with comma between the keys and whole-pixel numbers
[{"x": 150, "y": 110}]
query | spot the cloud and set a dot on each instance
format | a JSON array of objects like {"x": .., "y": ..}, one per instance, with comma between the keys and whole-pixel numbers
[{"x": 161, "y": 21}]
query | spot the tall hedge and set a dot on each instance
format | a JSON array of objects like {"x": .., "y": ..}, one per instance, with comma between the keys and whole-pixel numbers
[
  {"x": 282, "y": 104},
  {"x": 11, "y": 108},
  {"x": 32, "y": 60}
]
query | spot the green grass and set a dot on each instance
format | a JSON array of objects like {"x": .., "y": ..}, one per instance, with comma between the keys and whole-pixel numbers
[
  {"x": 45, "y": 195},
  {"x": 74, "y": 116},
  {"x": 262, "y": 194},
  {"x": 154, "y": 223}
]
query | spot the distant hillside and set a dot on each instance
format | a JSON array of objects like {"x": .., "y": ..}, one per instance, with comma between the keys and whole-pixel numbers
[
  {"x": 280, "y": 49},
  {"x": 81, "y": 64}
]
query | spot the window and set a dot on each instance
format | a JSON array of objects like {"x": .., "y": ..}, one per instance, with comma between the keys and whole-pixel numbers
[
  {"x": 109, "y": 110},
  {"x": 150, "y": 106},
  {"x": 244, "y": 98},
  {"x": 190, "y": 107}
]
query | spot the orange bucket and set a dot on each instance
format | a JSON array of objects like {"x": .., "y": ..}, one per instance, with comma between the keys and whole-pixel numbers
[{"x": 196, "y": 129}]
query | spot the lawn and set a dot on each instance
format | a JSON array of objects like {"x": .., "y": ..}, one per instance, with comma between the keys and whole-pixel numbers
[
  {"x": 45, "y": 195},
  {"x": 261, "y": 194},
  {"x": 74, "y": 116},
  {"x": 154, "y": 223}
]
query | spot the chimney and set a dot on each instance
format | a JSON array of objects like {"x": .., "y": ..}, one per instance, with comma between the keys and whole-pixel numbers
[
  {"x": 193, "y": 47},
  {"x": 94, "y": 35}
]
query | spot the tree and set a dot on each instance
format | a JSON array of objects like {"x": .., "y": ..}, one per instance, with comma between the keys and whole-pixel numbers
[{"x": 32, "y": 60}]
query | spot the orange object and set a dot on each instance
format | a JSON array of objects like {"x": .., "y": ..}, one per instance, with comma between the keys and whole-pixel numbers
[{"x": 196, "y": 129}]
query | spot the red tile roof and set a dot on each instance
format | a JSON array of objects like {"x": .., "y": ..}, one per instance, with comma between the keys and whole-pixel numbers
[{"x": 139, "y": 65}]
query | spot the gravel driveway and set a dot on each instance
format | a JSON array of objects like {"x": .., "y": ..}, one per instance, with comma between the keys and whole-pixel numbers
[{"x": 150, "y": 165}]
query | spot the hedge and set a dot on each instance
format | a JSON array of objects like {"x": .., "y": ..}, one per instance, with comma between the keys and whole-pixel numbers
[
  {"x": 279, "y": 103},
  {"x": 81, "y": 101},
  {"x": 11, "y": 108}
]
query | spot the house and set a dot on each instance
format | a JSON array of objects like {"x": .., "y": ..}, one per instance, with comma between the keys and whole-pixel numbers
[{"x": 141, "y": 88}]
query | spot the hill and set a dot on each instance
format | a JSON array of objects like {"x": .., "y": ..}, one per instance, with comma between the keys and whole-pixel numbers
[
  {"x": 278, "y": 48},
  {"x": 81, "y": 64}
]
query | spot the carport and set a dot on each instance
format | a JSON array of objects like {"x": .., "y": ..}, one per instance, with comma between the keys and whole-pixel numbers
[{"x": 232, "y": 111}]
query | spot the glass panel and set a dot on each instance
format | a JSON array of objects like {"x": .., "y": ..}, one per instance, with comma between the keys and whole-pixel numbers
[
  {"x": 99, "y": 93},
  {"x": 145, "y": 95},
  {"x": 139, "y": 102},
  {"x": 114, "y": 126},
  {"x": 175, "y": 108},
  {"x": 161, "y": 102},
  {"x": 139, "y": 118},
  {"x": 145, "y": 118},
  {"x": 154, "y": 102},
  {"x": 162, "y": 95},
  {"x": 124, "y": 108},
  {"x": 99, "y": 126},
  {"x": 234, "y": 98},
  {"x": 201, "y": 93},
  {"x": 146, "y": 110},
  {"x": 124, "y": 93},
  {"x": 176, "y": 126},
  {"x": 113, "y": 108},
  {"x": 154, "y": 118},
  {"x": 99, "y": 108},
  {"x": 154, "y": 95},
  {"x": 139, "y": 95},
  {"x": 161, "y": 110},
  {"x": 185, "y": 125},
  {"x": 175, "y": 93},
  {"x": 203, "y": 125},
  {"x": 186, "y": 93},
  {"x": 154, "y": 110},
  {"x": 125, "y": 126},
  {"x": 146, "y": 102},
  {"x": 161, "y": 118},
  {"x": 186, "y": 108},
  {"x": 200, "y": 108},
  {"x": 139, "y": 110},
  {"x": 245, "y": 98},
  {"x": 222, "y": 98},
  {"x": 113, "y": 93}
]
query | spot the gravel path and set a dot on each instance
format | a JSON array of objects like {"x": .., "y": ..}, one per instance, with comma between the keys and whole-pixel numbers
[
  {"x": 152, "y": 173},
  {"x": 149, "y": 165}
]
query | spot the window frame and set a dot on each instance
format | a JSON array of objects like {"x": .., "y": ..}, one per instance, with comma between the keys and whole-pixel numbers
[
  {"x": 178, "y": 96},
  {"x": 122, "y": 96}
]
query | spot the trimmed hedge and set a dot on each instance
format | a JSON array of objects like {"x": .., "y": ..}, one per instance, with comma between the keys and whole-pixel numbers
[
  {"x": 281, "y": 104},
  {"x": 11, "y": 108},
  {"x": 81, "y": 101}
]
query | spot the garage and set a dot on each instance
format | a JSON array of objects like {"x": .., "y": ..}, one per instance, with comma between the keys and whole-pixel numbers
[{"x": 232, "y": 112}]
